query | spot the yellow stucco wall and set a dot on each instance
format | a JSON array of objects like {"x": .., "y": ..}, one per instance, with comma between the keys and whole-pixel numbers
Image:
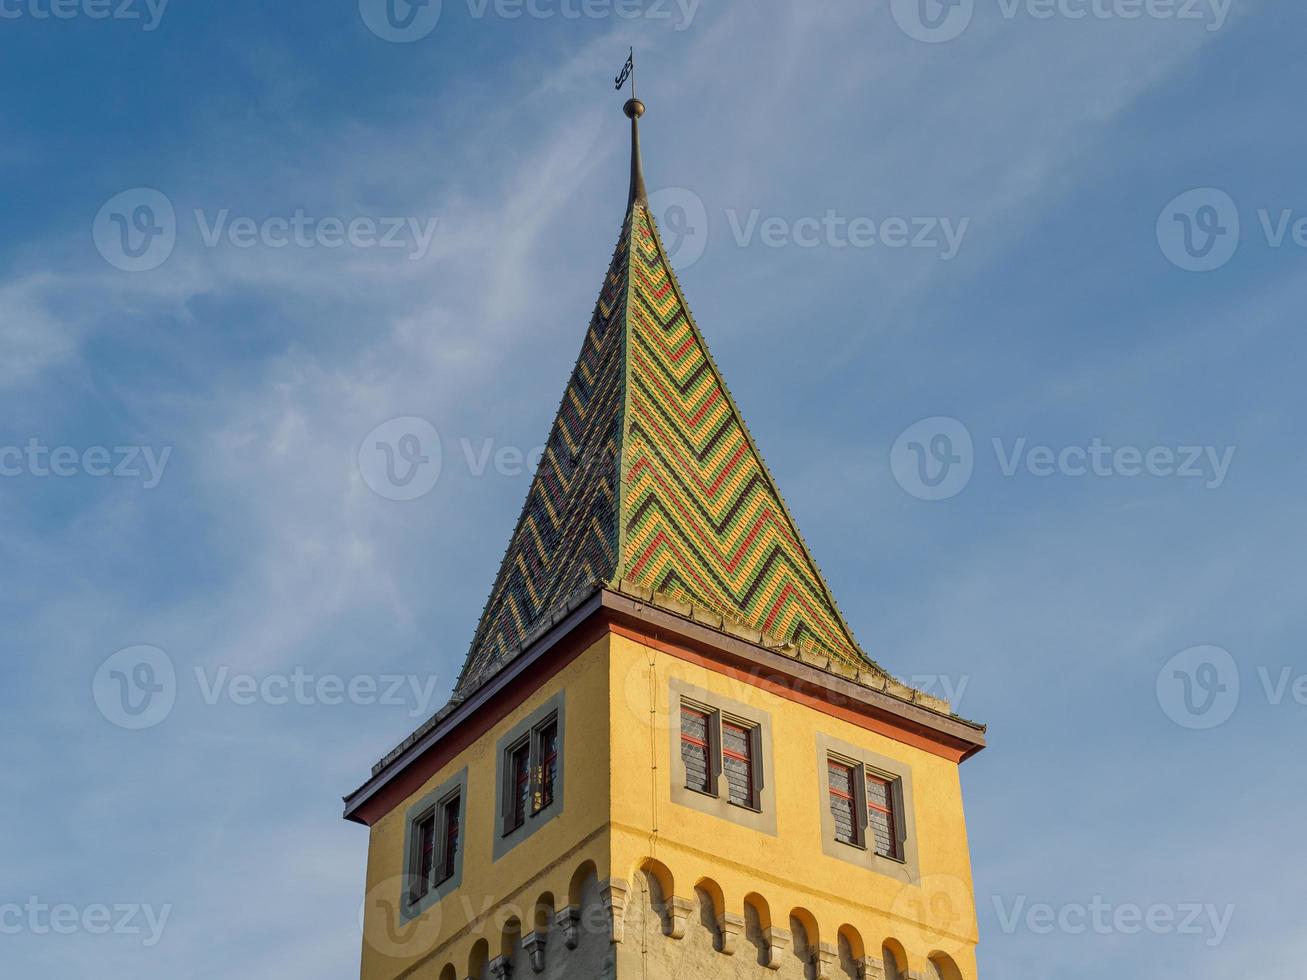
[
  {"x": 790, "y": 869},
  {"x": 492, "y": 891},
  {"x": 618, "y": 789}
]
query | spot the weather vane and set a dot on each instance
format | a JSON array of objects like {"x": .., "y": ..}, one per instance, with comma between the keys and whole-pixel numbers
[{"x": 628, "y": 71}]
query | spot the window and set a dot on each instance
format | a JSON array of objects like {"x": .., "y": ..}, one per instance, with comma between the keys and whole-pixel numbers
[
  {"x": 532, "y": 774},
  {"x": 737, "y": 761},
  {"x": 519, "y": 768},
  {"x": 434, "y": 840},
  {"x": 880, "y": 817},
  {"x": 547, "y": 771},
  {"x": 713, "y": 744},
  {"x": 864, "y": 808},
  {"x": 449, "y": 864},
  {"x": 843, "y": 802},
  {"x": 531, "y": 771},
  {"x": 695, "y": 750}
]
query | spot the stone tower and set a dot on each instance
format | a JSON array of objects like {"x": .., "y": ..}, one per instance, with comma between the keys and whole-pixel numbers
[{"x": 666, "y": 754}]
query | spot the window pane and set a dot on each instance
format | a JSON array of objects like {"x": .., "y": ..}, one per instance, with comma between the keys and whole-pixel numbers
[
  {"x": 737, "y": 762},
  {"x": 842, "y": 805},
  {"x": 521, "y": 785},
  {"x": 426, "y": 855},
  {"x": 694, "y": 750},
  {"x": 451, "y": 839},
  {"x": 548, "y": 763},
  {"x": 881, "y": 817}
]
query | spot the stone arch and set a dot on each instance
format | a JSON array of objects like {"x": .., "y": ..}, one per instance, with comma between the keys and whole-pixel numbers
[
  {"x": 712, "y": 910},
  {"x": 510, "y": 937},
  {"x": 653, "y": 887},
  {"x": 943, "y": 967},
  {"x": 895, "y": 959},
  {"x": 757, "y": 926},
  {"x": 543, "y": 913},
  {"x": 478, "y": 961},
  {"x": 807, "y": 938},
  {"x": 582, "y": 876},
  {"x": 660, "y": 873},
  {"x": 852, "y": 950}
]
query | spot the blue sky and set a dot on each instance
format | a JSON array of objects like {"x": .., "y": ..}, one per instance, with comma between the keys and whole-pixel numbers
[{"x": 1052, "y": 601}]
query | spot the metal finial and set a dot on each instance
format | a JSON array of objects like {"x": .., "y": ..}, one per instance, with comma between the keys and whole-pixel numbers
[{"x": 634, "y": 109}]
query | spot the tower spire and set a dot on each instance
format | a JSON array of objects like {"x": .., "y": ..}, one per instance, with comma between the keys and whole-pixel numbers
[{"x": 634, "y": 109}]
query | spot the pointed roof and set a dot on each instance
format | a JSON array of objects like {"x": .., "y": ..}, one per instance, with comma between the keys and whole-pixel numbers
[{"x": 650, "y": 477}]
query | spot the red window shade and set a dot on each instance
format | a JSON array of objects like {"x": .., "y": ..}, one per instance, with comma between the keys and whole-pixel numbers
[
  {"x": 843, "y": 806},
  {"x": 426, "y": 834},
  {"x": 451, "y": 840},
  {"x": 694, "y": 750},
  {"x": 881, "y": 818},
  {"x": 548, "y": 764},
  {"x": 521, "y": 787},
  {"x": 737, "y": 762}
]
